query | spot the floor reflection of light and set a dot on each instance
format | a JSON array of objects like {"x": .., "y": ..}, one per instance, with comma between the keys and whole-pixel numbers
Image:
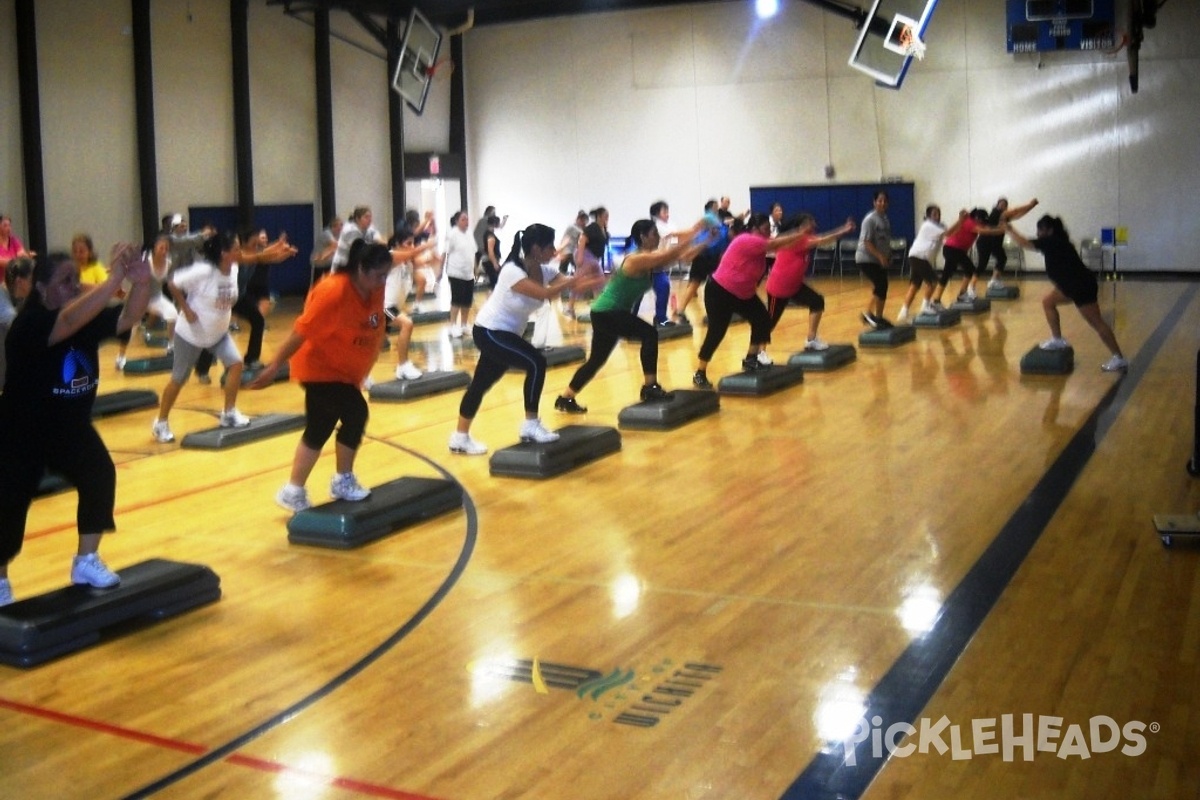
[
  {"x": 920, "y": 609},
  {"x": 488, "y": 681},
  {"x": 626, "y": 592},
  {"x": 307, "y": 779},
  {"x": 840, "y": 708}
]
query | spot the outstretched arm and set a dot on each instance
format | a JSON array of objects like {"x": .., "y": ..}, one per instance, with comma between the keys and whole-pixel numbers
[
  {"x": 1019, "y": 211},
  {"x": 1019, "y": 239}
]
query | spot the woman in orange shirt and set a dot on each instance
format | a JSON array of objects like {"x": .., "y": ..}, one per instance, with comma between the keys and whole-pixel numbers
[{"x": 332, "y": 347}]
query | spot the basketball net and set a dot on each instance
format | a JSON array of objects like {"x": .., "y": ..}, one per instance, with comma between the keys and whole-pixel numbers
[{"x": 911, "y": 44}]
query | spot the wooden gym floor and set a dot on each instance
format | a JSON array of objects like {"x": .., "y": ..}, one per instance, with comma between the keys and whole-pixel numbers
[{"x": 709, "y": 613}]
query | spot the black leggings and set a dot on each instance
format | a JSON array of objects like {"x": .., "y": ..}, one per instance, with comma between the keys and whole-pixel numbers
[
  {"x": 721, "y": 307},
  {"x": 990, "y": 247},
  {"x": 805, "y": 296},
  {"x": 877, "y": 275},
  {"x": 954, "y": 258},
  {"x": 609, "y": 327},
  {"x": 498, "y": 352},
  {"x": 73, "y": 450},
  {"x": 325, "y": 404}
]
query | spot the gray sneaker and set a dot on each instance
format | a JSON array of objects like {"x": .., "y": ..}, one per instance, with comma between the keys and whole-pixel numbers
[{"x": 89, "y": 570}]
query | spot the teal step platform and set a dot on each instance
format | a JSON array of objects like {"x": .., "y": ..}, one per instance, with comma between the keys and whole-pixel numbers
[
  {"x": 41, "y": 628},
  {"x": 427, "y": 384},
  {"x": 557, "y": 356},
  {"x": 1003, "y": 292},
  {"x": 887, "y": 337},
  {"x": 107, "y": 405},
  {"x": 938, "y": 319},
  {"x": 838, "y": 355},
  {"x": 578, "y": 445},
  {"x": 676, "y": 331},
  {"x": 761, "y": 381},
  {"x": 249, "y": 374},
  {"x": 980, "y": 305},
  {"x": 343, "y": 525},
  {"x": 425, "y": 317},
  {"x": 1048, "y": 362},
  {"x": 685, "y": 406},
  {"x": 149, "y": 366},
  {"x": 260, "y": 427}
]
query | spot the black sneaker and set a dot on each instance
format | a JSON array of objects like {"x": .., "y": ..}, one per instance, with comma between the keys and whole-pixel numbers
[
  {"x": 656, "y": 394},
  {"x": 568, "y": 405},
  {"x": 883, "y": 323},
  {"x": 751, "y": 364},
  {"x": 700, "y": 380},
  {"x": 870, "y": 319},
  {"x": 667, "y": 323}
]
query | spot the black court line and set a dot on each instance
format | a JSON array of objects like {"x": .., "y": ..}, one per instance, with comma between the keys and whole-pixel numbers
[
  {"x": 907, "y": 687},
  {"x": 232, "y": 746}
]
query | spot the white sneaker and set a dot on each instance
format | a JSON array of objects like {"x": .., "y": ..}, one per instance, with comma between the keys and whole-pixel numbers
[
  {"x": 995, "y": 283},
  {"x": 367, "y": 383},
  {"x": 936, "y": 306},
  {"x": 233, "y": 419},
  {"x": 765, "y": 359},
  {"x": 1115, "y": 364},
  {"x": 407, "y": 372},
  {"x": 927, "y": 308},
  {"x": 971, "y": 294},
  {"x": 1055, "y": 343},
  {"x": 816, "y": 344},
  {"x": 902, "y": 316},
  {"x": 532, "y": 430},
  {"x": 162, "y": 431},
  {"x": 345, "y": 486},
  {"x": 456, "y": 331},
  {"x": 121, "y": 363},
  {"x": 464, "y": 444},
  {"x": 89, "y": 570},
  {"x": 6, "y": 595},
  {"x": 293, "y": 498}
]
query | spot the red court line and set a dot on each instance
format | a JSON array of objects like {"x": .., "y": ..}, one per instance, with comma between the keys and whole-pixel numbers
[{"x": 263, "y": 765}]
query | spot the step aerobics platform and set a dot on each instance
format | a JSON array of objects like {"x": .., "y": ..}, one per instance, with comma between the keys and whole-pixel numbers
[
  {"x": 343, "y": 524},
  {"x": 260, "y": 427},
  {"x": 40, "y": 628},
  {"x": 577, "y": 445}
]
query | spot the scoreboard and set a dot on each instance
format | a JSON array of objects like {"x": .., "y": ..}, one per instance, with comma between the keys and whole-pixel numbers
[{"x": 1040, "y": 26}]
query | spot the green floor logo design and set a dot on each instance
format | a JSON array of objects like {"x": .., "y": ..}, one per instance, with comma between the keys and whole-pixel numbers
[{"x": 621, "y": 695}]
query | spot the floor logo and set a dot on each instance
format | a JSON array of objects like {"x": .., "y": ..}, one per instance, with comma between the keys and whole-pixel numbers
[{"x": 622, "y": 695}]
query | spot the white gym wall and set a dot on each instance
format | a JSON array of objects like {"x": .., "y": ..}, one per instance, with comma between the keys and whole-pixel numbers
[{"x": 621, "y": 109}]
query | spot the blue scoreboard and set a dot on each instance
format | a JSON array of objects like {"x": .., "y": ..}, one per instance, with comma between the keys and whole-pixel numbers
[{"x": 1040, "y": 26}]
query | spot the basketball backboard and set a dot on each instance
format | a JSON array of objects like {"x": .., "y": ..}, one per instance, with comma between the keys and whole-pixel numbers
[
  {"x": 418, "y": 57},
  {"x": 879, "y": 51}
]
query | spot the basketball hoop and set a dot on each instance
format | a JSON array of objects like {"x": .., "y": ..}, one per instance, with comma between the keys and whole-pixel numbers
[{"x": 911, "y": 44}]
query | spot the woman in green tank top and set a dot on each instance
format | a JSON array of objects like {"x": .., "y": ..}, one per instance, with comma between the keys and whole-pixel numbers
[{"x": 614, "y": 312}]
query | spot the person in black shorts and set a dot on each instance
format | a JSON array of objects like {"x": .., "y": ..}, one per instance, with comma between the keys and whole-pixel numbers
[{"x": 1073, "y": 283}]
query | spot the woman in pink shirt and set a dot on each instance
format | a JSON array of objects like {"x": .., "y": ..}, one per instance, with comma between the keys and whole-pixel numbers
[
  {"x": 733, "y": 289},
  {"x": 956, "y": 252}
]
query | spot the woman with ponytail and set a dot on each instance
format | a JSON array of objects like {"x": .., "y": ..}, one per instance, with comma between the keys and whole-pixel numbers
[
  {"x": 1073, "y": 283},
  {"x": 529, "y": 278}
]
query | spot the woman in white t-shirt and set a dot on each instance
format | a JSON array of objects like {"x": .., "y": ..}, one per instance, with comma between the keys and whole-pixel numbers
[
  {"x": 528, "y": 279},
  {"x": 921, "y": 257},
  {"x": 205, "y": 293},
  {"x": 460, "y": 270}
]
